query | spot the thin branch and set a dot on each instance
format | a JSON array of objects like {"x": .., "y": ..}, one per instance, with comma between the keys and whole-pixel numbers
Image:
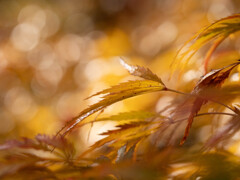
[
  {"x": 219, "y": 113},
  {"x": 179, "y": 92},
  {"x": 195, "y": 95},
  {"x": 209, "y": 113},
  {"x": 228, "y": 107}
]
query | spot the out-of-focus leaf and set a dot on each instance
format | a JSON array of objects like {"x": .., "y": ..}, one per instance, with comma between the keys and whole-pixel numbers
[
  {"x": 237, "y": 108},
  {"x": 125, "y": 117},
  {"x": 217, "y": 166},
  {"x": 41, "y": 142},
  {"x": 126, "y": 133},
  {"x": 130, "y": 153},
  {"x": 121, "y": 153},
  {"x": 16, "y": 163},
  {"x": 31, "y": 173},
  {"x": 214, "y": 78},
  {"x": 194, "y": 110},
  {"x": 226, "y": 132},
  {"x": 218, "y": 30},
  {"x": 226, "y": 93},
  {"x": 211, "y": 51}
]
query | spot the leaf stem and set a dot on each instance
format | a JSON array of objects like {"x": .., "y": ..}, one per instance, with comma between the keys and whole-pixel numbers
[
  {"x": 179, "y": 92},
  {"x": 195, "y": 95},
  {"x": 213, "y": 113},
  {"x": 209, "y": 113}
]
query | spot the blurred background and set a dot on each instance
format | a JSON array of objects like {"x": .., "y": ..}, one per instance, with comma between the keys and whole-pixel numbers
[{"x": 54, "y": 54}]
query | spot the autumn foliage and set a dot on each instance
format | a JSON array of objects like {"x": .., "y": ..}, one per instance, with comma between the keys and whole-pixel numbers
[{"x": 147, "y": 144}]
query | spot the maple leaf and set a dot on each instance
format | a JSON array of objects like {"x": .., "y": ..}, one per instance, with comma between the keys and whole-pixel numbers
[
  {"x": 37, "y": 153},
  {"x": 123, "y": 117},
  {"x": 129, "y": 133},
  {"x": 120, "y": 92},
  {"x": 42, "y": 142},
  {"x": 213, "y": 79},
  {"x": 139, "y": 115},
  {"x": 217, "y": 31}
]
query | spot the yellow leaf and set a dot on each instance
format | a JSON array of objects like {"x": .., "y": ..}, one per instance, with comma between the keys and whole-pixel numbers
[
  {"x": 113, "y": 95},
  {"x": 218, "y": 31}
]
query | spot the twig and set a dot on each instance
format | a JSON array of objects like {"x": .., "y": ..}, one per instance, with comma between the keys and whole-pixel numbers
[{"x": 195, "y": 95}]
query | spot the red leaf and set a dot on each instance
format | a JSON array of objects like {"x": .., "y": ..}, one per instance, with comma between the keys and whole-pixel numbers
[{"x": 214, "y": 78}]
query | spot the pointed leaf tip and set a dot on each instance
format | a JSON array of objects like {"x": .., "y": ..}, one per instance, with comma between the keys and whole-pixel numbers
[
  {"x": 112, "y": 95},
  {"x": 139, "y": 71},
  {"x": 217, "y": 32},
  {"x": 128, "y": 67},
  {"x": 214, "y": 78}
]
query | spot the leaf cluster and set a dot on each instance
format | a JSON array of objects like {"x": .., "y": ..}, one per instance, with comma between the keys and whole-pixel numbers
[{"x": 145, "y": 145}]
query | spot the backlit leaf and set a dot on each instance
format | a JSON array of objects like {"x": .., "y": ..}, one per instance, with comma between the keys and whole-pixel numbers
[
  {"x": 140, "y": 71},
  {"x": 218, "y": 31},
  {"x": 213, "y": 79},
  {"x": 42, "y": 142},
  {"x": 126, "y": 133},
  {"x": 224, "y": 133},
  {"x": 121, "y": 152},
  {"x": 138, "y": 115},
  {"x": 113, "y": 95}
]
